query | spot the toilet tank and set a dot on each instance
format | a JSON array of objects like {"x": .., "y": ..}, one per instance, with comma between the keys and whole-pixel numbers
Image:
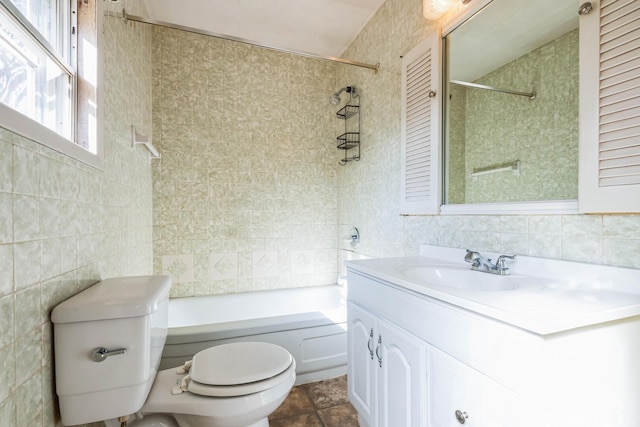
[{"x": 129, "y": 313}]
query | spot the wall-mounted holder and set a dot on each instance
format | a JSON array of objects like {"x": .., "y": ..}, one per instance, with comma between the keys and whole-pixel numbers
[
  {"x": 350, "y": 114},
  {"x": 353, "y": 238},
  {"x": 137, "y": 139}
]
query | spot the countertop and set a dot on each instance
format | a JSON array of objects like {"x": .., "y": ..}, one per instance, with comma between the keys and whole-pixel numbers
[{"x": 560, "y": 295}]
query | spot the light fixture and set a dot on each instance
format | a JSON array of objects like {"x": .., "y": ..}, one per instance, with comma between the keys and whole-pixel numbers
[{"x": 434, "y": 9}]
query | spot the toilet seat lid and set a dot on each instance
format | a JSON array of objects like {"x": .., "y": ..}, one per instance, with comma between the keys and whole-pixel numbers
[{"x": 239, "y": 363}]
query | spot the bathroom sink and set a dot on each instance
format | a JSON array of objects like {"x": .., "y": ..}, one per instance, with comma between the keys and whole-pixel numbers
[{"x": 459, "y": 277}]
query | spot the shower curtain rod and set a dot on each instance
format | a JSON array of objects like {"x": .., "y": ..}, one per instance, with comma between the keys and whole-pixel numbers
[
  {"x": 530, "y": 95},
  {"x": 150, "y": 21}
]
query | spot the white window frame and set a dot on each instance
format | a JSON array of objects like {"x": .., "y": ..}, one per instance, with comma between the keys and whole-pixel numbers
[{"x": 31, "y": 129}]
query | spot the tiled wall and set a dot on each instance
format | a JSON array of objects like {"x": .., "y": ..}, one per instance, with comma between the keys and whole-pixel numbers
[
  {"x": 244, "y": 195},
  {"x": 64, "y": 226},
  {"x": 501, "y": 128},
  {"x": 368, "y": 191}
]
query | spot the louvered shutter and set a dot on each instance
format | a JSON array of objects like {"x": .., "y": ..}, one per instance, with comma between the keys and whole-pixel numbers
[
  {"x": 610, "y": 107},
  {"x": 420, "y": 173}
]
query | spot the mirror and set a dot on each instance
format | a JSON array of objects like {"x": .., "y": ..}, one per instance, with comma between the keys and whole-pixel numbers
[{"x": 511, "y": 104}]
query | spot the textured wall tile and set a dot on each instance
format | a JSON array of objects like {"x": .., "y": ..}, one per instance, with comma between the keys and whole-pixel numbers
[
  {"x": 7, "y": 371},
  {"x": 6, "y": 269},
  {"x": 224, "y": 266},
  {"x": 514, "y": 224},
  {"x": 582, "y": 248},
  {"x": 49, "y": 177},
  {"x": 621, "y": 226},
  {"x": 621, "y": 252},
  {"x": 226, "y": 180},
  {"x": 26, "y": 218},
  {"x": 28, "y": 355},
  {"x": 582, "y": 225},
  {"x": 545, "y": 225},
  {"x": 28, "y": 315},
  {"x": 50, "y": 251},
  {"x": 514, "y": 243},
  {"x": 29, "y": 400},
  {"x": 264, "y": 264},
  {"x": 26, "y": 263},
  {"x": 545, "y": 246},
  {"x": 6, "y": 218},
  {"x": 7, "y": 320},
  {"x": 8, "y": 412},
  {"x": 179, "y": 267},
  {"x": 6, "y": 166},
  {"x": 26, "y": 177}
]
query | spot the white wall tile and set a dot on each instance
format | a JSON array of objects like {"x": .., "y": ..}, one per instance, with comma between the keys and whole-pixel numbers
[
  {"x": 26, "y": 218},
  {"x": 40, "y": 191},
  {"x": 26, "y": 177}
]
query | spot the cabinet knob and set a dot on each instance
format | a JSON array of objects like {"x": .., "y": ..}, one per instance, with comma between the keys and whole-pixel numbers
[{"x": 461, "y": 416}]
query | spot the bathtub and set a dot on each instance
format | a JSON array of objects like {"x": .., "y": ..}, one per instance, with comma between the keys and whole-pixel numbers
[{"x": 311, "y": 323}]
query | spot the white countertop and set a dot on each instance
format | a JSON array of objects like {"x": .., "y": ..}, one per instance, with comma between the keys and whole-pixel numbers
[{"x": 566, "y": 295}]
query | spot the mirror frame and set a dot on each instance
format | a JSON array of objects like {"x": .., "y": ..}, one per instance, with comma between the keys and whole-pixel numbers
[{"x": 548, "y": 207}]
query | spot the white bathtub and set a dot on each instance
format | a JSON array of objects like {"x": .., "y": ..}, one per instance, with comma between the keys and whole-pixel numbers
[{"x": 311, "y": 323}]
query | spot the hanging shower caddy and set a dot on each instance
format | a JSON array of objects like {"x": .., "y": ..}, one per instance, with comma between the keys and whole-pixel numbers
[{"x": 349, "y": 141}]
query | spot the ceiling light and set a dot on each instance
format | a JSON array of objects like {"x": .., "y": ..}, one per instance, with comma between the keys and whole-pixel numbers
[{"x": 434, "y": 9}]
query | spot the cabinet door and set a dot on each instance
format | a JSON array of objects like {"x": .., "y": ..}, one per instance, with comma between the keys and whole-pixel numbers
[
  {"x": 459, "y": 395},
  {"x": 420, "y": 128},
  {"x": 360, "y": 366},
  {"x": 609, "y": 179},
  {"x": 402, "y": 378}
]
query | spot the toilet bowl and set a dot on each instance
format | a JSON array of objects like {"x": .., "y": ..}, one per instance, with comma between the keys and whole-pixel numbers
[
  {"x": 219, "y": 392},
  {"x": 108, "y": 342}
]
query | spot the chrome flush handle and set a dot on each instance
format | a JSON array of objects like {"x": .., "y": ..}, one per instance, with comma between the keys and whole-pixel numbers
[{"x": 100, "y": 354}]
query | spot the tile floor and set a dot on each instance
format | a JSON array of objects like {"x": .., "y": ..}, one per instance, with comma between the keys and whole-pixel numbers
[{"x": 320, "y": 404}]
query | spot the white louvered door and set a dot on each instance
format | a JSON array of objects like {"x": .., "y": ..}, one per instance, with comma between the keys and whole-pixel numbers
[
  {"x": 610, "y": 107},
  {"x": 420, "y": 185}
]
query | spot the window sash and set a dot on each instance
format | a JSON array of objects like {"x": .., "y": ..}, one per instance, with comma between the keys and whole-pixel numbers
[{"x": 38, "y": 81}]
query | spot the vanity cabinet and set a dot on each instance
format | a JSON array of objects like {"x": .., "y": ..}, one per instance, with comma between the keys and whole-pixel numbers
[
  {"x": 396, "y": 378},
  {"x": 458, "y": 394},
  {"x": 386, "y": 371},
  {"x": 551, "y": 351}
]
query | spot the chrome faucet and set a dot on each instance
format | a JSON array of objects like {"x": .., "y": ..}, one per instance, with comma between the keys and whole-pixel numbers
[{"x": 480, "y": 263}]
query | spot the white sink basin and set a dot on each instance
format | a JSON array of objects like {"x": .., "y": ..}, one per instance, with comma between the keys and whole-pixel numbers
[{"x": 459, "y": 277}]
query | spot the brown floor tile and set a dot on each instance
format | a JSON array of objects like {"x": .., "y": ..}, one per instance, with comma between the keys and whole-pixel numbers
[
  {"x": 303, "y": 420},
  {"x": 295, "y": 404},
  {"x": 339, "y": 416},
  {"x": 324, "y": 394}
]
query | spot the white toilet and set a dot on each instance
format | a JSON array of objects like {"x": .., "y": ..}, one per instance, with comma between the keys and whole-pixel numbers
[{"x": 108, "y": 341}]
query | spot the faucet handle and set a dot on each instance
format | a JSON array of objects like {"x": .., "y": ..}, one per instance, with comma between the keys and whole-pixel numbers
[
  {"x": 471, "y": 256},
  {"x": 501, "y": 262}
]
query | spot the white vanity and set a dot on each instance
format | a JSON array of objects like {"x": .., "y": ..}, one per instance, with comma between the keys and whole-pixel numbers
[{"x": 432, "y": 343}]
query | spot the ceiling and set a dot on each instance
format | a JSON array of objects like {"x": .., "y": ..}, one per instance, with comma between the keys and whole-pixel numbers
[{"x": 319, "y": 27}]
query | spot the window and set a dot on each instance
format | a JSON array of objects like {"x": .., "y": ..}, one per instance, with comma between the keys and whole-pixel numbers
[{"x": 44, "y": 95}]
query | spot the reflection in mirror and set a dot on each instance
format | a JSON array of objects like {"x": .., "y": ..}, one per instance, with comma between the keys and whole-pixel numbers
[{"x": 511, "y": 117}]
